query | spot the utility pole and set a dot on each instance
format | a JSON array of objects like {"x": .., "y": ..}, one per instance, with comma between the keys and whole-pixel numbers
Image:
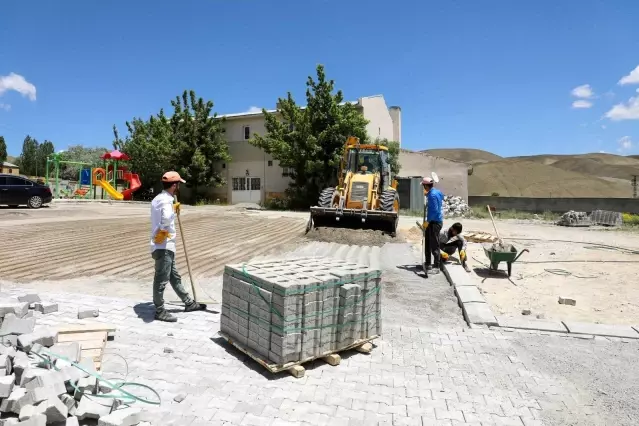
[{"x": 634, "y": 186}]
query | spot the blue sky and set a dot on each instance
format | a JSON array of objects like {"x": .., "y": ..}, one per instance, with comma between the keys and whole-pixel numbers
[{"x": 494, "y": 75}]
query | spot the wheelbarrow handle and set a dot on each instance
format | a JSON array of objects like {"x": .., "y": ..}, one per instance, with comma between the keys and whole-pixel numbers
[{"x": 520, "y": 253}]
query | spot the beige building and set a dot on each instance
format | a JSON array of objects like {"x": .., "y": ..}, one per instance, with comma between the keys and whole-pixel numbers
[
  {"x": 9, "y": 168},
  {"x": 253, "y": 176}
]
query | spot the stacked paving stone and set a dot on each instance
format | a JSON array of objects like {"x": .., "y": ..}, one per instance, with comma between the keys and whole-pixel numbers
[
  {"x": 37, "y": 389},
  {"x": 295, "y": 309}
]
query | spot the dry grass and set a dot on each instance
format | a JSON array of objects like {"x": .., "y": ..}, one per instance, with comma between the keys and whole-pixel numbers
[{"x": 471, "y": 156}]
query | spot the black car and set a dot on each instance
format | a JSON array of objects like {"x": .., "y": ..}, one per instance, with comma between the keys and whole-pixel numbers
[{"x": 16, "y": 191}]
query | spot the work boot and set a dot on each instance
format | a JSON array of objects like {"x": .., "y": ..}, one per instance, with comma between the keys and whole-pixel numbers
[
  {"x": 194, "y": 306},
  {"x": 163, "y": 315}
]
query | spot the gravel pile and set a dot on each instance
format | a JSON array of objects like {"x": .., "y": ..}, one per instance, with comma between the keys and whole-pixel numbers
[
  {"x": 454, "y": 206},
  {"x": 38, "y": 388}
]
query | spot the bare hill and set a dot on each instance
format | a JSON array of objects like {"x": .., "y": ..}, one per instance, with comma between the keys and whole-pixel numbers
[
  {"x": 11, "y": 159},
  {"x": 522, "y": 178},
  {"x": 471, "y": 156}
]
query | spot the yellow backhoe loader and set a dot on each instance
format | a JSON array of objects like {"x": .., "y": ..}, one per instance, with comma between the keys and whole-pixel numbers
[{"x": 366, "y": 195}]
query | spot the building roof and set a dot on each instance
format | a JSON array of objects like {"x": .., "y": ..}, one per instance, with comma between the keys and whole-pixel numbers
[
  {"x": 5, "y": 164},
  {"x": 249, "y": 114}
]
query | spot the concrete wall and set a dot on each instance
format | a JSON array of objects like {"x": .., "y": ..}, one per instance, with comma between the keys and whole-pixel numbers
[
  {"x": 557, "y": 205},
  {"x": 380, "y": 124},
  {"x": 396, "y": 116},
  {"x": 453, "y": 175}
]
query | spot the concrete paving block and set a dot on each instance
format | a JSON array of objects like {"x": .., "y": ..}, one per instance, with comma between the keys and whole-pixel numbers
[
  {"x": 601, "y": 329},
  {"x": 88, "y": 313},
  {"x": 51, "y": 379},
  {"x": 478, "y": 313},
  {"x": 54, "y": 409},
  {"x": 6, "y": 366},
  {"x": 71, "y": 421},
  {"x": 29, "y": 298},
  {"x": 531, "y": 324},
  {"x": 125, "y": 417},
  {"x": 468, "y": 294},
  {"x": 46, "y": 337},
  {"x": 36, "y": 420},
  {"x": 16, "y": 326},
  {"x": 92, "y": 408},
  {"x": 70, "y": 351},
  {"x": 13, "y": 306},
  {"x": 459, "y": 276},
  {"x": 69, "y": 402},
  {"x": 41, "y": 394},
  {"x": 27, "y": 412},
  {"x": 6, "y": 385},
  {"x": 46, "y": 307}
]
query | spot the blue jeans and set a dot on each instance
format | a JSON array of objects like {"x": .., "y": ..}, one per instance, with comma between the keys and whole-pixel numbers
[{"x": 166, "y": 272}]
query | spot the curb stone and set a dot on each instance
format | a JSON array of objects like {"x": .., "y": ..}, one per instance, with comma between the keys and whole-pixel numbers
[{"x": 477, "y": 312}]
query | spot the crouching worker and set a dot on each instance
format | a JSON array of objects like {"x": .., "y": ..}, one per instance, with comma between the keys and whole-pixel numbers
[{"x": 451, "y": 240}]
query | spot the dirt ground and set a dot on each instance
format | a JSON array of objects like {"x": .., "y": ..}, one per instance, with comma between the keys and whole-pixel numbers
[
  {"x": 362, "y": 237},
  {"x": 603, "y": 281}
]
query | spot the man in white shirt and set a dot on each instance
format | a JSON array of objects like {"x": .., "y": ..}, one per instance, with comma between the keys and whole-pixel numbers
[{"x": 164, "y": 208}]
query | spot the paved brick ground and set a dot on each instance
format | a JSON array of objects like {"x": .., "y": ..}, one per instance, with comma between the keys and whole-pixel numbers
[{"x": 415, "y": 376}]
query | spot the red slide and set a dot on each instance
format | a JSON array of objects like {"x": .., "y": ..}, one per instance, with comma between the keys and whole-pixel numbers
[{"x": 134, "y": 184}]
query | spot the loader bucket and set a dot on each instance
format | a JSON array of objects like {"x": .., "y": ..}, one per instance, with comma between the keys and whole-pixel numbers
[{"x": 355, "y": 219}]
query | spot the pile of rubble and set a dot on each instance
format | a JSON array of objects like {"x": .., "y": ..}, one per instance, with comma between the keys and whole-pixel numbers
[
  {"x": 573, "y": 218},
  {"x": 43, "y": 382},
  {"x": 454, "y": 206}
]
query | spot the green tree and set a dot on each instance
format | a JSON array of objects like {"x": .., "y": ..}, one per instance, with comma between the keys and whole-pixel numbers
[
  {"x": 3, "y": 150},
  {"x": 309, "y": 141},
  {"x": 191, "y": 142},
  {"x": 28, "y": 161},
  {"x": 44, "y": 149},
  {"x": 199, "y": 141},
  {"x": 393, "y": 154}
]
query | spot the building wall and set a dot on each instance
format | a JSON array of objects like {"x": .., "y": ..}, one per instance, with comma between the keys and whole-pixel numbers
[
  {"x": 380, "y": 123},
  {"x": 11, "y": 170},
  {"x": 396, "y": 116},
  {"x": 557, "y": 205},
  {"x": 453, "y": 175}
]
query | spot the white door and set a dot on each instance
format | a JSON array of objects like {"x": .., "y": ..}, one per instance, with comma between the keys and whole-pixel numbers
[{"x": 246, "y": 190}]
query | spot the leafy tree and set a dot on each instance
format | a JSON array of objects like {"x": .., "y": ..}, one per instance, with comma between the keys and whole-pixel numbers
[
  {"x": 199, "y": 141},
  {"x": 3, "y": 150},
  {"x": 28, "y": 161},
  {"x": 80, "y": 154},
  {"x": 309, "y": 141},
  {"x": 393, "y": 153},
  {"x": 44, "y": 149},
  {"x": 189, "y": 142}
]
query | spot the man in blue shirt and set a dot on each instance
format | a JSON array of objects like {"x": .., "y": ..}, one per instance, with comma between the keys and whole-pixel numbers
[{"x": 433, "y": 222}]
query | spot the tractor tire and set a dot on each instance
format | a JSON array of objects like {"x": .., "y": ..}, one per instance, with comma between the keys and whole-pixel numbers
[
  {"x": 326, "y": 198},
  {"x": 390, "y": 203}
]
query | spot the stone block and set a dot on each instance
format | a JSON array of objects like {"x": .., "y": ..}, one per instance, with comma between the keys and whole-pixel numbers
[
  {"x": 71, "y": 421},
  {"x": 15, "y": 401},
  {"x": 38, "y": 419},
  {"x": 478, "y": 313},
  {"x": 6, "y": 385},
  {"x": 88, "y": 313},
  {"x": 46, "y": 307},
  {"x": 38, "y": 395},
  {"x": 27, "y": 412},
  {"x": 51, "y": 380},
  {"x": 606, "y": 330},
  {"x": 567, "y": 301},
  {"x": 92, "y": 408},
  {"x": 46, "y": 337},
  {"x": 29, "y": 298},
  {"x": 13, "y": 306},
  {"x": 467, "y": 294},
  {"x": 459, "y": 277},
  {"x": 124, "y": 417},
  {"x": 17, "y": 326},
  {"x": 21, "y": 363},
  {"x": 69, "y": 402},
  {"x": 6, "y": 366},
  {"x": 531, "y": 324},
  {"x": 70, "y": 351},
  {"x": 54, "y": 409}
]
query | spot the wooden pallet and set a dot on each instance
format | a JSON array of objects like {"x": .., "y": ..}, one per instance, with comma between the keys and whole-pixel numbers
[
  {"x": 295, "y": 368},
  {"x": 92, "y": 339},
  {"x": 479, "y": 237}
]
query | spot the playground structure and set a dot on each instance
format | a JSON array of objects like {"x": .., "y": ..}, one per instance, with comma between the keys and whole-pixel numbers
[{"x": 90, "y": 178}]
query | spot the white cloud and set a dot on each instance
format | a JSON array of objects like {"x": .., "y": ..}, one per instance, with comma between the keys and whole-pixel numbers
[
  {"x": 17, "y": 83},
  {"x": 5, "y": 107},
  {"x": 625, "y": 143},
  {"x": 627, "y": 111},
  {"x": 584, "y": 91},
  {"x": 580, "y": 104},
  {"x": 632, "y": 78},
  {"x": 254, "y": 109}
]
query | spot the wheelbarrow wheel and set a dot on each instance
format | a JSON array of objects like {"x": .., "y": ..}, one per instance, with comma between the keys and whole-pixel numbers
[{"x": 510, "y": 268}]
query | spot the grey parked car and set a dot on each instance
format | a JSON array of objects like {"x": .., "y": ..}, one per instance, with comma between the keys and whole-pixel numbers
[{"x": 16, "y": 191}]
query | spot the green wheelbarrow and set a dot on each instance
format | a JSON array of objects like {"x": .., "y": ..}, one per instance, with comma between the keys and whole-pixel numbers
[{"x": 506, "y": 253}]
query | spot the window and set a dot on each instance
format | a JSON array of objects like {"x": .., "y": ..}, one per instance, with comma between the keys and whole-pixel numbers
[
  {"x": 16, "y": 181},
  {"x": 270, "y": 163},
  {"x": 239, "y": 184},
  {"x": 286, "y": 171},
  {"x": 3, "y": 180},
  {"x": 255, "y": 184},
  {"x": 247, "y": 133},
  {"x": 224, "y": 165}
]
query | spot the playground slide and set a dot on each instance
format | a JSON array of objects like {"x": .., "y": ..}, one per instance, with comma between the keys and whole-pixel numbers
[
  {"x": 134, "y": 185},
  {"x": 113, "y": 193}
]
